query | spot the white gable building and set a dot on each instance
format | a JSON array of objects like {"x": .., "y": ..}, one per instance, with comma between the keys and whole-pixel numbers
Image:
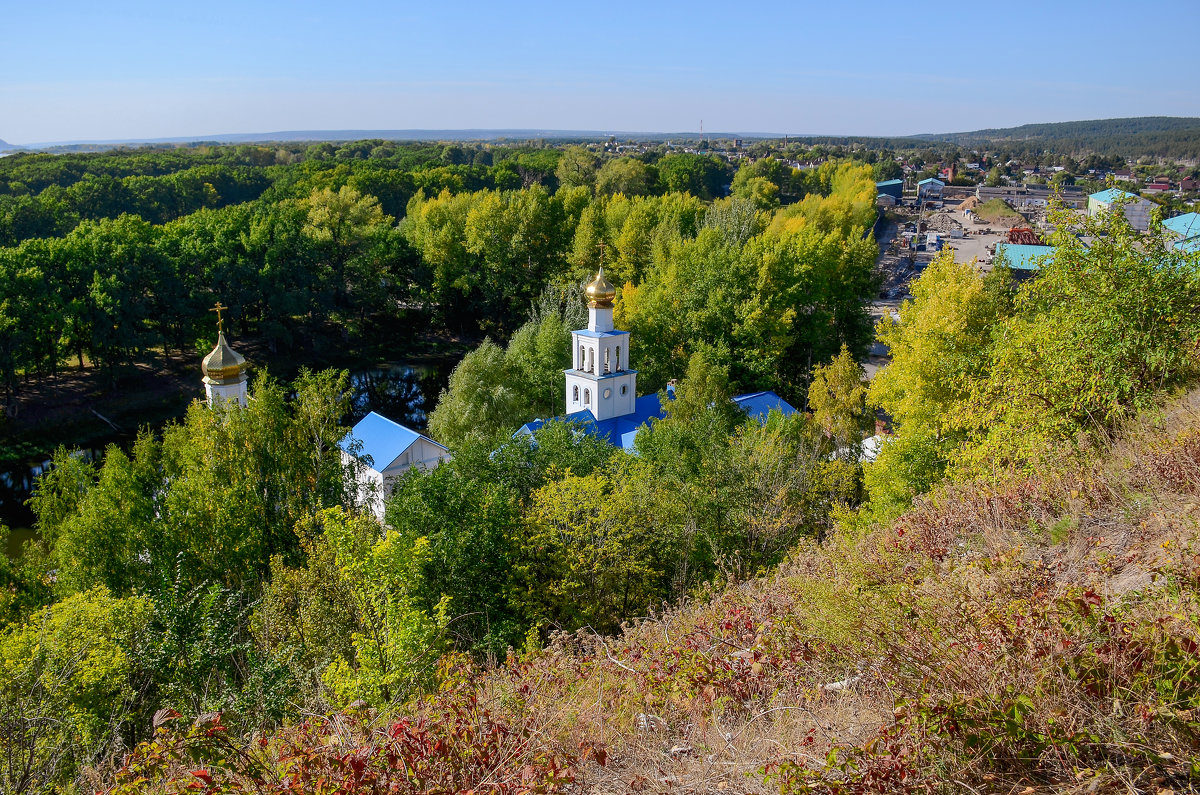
[{"x": 387, "y": 450}]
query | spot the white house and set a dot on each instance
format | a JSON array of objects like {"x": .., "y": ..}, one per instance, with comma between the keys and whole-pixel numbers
[{"x": 387, "y": 450}]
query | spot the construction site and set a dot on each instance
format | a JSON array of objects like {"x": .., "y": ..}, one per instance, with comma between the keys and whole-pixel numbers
[{"x": 965, "y": 225}]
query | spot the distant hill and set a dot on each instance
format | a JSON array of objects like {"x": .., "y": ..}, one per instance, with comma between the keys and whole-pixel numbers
[
  {"x": 5, "y": 145},
  {"x": 1161, "y": 136},
  {"x": 391, "y": 135}
]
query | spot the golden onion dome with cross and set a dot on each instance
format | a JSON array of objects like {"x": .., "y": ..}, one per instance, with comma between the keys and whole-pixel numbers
[
  {"x": 600, "y": 291},
  {"x": 223, "y": 365}
]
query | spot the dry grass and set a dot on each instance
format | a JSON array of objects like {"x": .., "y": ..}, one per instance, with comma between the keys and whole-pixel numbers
[
  {"x": 1034, "y": 636},
  {"x": 964, "y": 606}
]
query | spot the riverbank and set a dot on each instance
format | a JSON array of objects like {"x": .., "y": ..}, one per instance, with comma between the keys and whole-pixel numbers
[{"x": 82, "y": 408}]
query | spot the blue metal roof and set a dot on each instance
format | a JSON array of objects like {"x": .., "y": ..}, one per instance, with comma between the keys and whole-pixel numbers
[
  {"x": 622, "y": 431},
  {"x": 1186, "y": 225},
  {"x": 889, "y": 182},
  {"x": 1189, "y": 246},
  {"x": 383, "y": 441},
  {"x": 1111, "y": 195},
  {"x": 1024, "y": 258},
  {"x": 927, "y": 180},
  {"x": 759, "y": 404}
]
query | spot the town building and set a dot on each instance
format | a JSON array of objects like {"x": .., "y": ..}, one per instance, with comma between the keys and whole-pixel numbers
[
  {"x": 1030, "y": 197},
  {"x": 1136, "y": 209},
  {"x": 1021, "y": 258},
  {"x": 891, "y": 187},
  {"x": 385, "y": 450},
  {"x": 601, "y": 390},
  {"x": 930, "y": 189},
  {"x": 1184, "y": 231}
]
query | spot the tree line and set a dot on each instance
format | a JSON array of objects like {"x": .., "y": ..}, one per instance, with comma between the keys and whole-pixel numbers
[{"x": 340, "y": 235}]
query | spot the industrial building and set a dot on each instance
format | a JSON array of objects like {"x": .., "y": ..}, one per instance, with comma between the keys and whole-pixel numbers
[
  {"x": 930, "y": 189},
  {"x": 1024, "y": 259},
  {"x": 1137, "y": 210},
  {"x": 891, "y": 187},
  {"x": 1184, "y": 230}
]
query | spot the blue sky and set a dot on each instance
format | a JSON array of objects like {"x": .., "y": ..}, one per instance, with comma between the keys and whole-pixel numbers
[{"x": 72, "y": 70}]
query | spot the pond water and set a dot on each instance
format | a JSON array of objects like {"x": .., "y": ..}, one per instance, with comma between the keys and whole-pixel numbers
[{"x": 401, "y": 391}]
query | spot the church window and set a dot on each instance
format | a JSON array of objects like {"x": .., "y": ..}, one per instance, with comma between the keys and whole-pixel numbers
[
  {"x": 575, "y": 393},
  {"x": 591, "y": 360},
  {"x": 624, "y": 388},
  {"x": 618, "y": 365},
  {"x": 607, "y": 394},
  {"x": 582, "y": 357},
  {"x": 606, "y": 362},
  {"x": 587, "y": 397}
]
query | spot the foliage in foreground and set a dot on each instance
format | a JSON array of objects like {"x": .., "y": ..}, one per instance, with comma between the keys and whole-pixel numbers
[{"x": 1042, "y": 633}]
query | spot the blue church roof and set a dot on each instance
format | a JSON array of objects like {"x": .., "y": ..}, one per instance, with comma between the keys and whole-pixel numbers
[
  {"x": 382, "y": 440},
  {"x": 759, "y": 404},
  {"x": 621, "y": 431}
]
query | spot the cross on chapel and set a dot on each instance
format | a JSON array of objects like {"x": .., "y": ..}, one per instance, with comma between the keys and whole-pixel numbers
[{"x": 219, "y": 309}]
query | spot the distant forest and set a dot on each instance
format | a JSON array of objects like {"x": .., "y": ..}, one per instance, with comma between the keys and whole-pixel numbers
[{"x": 1148, "y": 136}]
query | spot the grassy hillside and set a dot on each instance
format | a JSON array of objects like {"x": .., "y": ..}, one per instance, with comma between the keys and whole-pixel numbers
[
  {"x": 1036, "y": 636},
  {"x": 998, "y": 211}
]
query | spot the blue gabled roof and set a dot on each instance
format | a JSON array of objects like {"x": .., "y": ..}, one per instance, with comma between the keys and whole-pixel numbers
[
  {"x": 927, "y": 180},
  {"x": 889, "y": 182},
  {"x": 1024, "y": 258},
  {"x": 1186, "y": 225},
  {"x": 622, "y": 431},
  {"x": 1111, "y": 195},
  {"x": 382, "y": 440},
  {"x": 759, "y": 404}
]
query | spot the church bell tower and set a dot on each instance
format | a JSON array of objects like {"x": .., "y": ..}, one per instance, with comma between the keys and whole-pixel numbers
[
  {"x": 224, "y": 369},
  {"x": 599, "y": 381}
]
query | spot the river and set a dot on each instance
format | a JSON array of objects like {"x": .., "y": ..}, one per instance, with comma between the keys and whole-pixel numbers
[{"x": 402, "y": 391}]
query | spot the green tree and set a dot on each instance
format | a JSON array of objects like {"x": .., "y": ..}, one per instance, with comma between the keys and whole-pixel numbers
[
  {"x": 342, "y": 223},
  {"x": 220, "y": 491},
  {"x": 1102, "y": 332},
  {"x": 625, "y": 175},
  {"x": 481, "y": 401},
  {"x": 939, "y": 349},
  {"x": 837, "y": 398},
  {"x": 395, "y": 645},
  {"x": 67, "y": 679},
  {"x": 577, "y": 168}
]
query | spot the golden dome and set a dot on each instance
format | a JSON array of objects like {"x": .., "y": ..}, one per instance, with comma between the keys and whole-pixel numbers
[
  {"x": 223, "y": 365},
  {"x": 600, "y": 291}
]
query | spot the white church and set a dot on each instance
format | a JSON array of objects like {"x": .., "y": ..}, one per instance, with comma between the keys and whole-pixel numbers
[
  {"x": 602, "y": 392},
  {"x": 601, "y": 399}
]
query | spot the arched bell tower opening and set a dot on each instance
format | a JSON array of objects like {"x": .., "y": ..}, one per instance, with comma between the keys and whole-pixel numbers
[{"x": 598, "y": 383}]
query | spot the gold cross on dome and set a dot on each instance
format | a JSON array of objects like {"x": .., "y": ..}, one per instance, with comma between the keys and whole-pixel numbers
[
  {"x": 600, "y": 246},
  {"x": 219, "y": 309}
]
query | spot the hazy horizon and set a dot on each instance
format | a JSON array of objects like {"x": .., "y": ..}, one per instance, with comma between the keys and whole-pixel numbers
[{"x": 139, "y": 71}]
